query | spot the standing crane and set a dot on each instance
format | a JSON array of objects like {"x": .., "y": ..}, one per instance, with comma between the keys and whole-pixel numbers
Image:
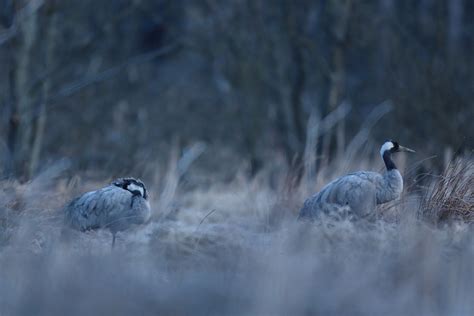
[
  {"x": 117, "y": 206},
  {"x": 359, "y": 192}
]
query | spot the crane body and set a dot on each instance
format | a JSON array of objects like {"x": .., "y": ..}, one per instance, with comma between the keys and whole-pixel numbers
[
  {"x": 359, "y": 192},
  {"x": 116, "y": 207}
]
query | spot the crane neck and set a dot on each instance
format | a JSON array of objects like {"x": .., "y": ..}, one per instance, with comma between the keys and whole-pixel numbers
[
  {"x": 387, "y": 159},
  {"x": 391, "y": 187}
]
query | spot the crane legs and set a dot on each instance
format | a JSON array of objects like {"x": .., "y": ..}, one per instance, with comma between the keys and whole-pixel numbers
[{"x": 113, "y": 240}]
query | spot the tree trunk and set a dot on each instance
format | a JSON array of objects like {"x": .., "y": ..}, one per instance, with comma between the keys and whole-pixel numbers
[
  {"x": 7, "y": 14},
  {"x": 20, "y": 134},
  {"x": 336, "y": 90},
  {"x": 292, "y": 103},
  {"x": 41, "y": 111},
  {"x": 455, "y": 11}
]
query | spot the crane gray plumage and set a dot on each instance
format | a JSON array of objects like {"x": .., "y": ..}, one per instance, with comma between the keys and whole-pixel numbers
[
  {"x": 358, "y": 193},
  {"x": 117, "y": 206}
]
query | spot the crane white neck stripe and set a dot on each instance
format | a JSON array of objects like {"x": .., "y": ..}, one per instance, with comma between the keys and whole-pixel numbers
[{"x": 386, "y": 146}]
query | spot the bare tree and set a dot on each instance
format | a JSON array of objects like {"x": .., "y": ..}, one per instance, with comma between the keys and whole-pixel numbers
[
  {"x": 22, "y": 98},
  {"x": 341, "y": 10},
  {"x": 40, "y": 117},
  {"x": 455, "y": 26}
]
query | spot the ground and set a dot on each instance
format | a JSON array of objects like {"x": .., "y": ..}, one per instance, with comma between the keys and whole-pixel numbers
[{"x": 234, "y": 248}]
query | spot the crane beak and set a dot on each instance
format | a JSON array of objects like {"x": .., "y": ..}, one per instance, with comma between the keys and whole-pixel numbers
[{"x": 408, "y": 150}]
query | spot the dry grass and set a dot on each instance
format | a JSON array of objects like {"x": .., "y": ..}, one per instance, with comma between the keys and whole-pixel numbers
[
  {"x": 451, "y": 195},
  {"x": 236, "y": 248}
]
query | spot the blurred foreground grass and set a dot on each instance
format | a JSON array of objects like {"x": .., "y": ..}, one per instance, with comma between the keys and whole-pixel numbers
[{"x": 236, "y": 248}]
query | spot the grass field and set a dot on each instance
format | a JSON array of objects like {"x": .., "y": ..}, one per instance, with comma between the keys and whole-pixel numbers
[{"x": 236, "y": 248}]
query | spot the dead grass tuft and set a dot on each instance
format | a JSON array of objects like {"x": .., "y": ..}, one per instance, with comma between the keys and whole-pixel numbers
[{"x": 451, "y": 196}]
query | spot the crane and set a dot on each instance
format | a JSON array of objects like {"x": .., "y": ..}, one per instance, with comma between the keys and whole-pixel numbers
[
  {"x": 358, "y": 193},
  {"x": 116, "y": 207}
]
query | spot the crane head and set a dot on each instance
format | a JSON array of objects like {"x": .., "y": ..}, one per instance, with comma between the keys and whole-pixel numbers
[
  {"x": 393, "y": 147},
  {"x": 135, "y": 186}
]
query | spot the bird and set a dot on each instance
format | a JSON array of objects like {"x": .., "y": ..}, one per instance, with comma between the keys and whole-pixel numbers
[
  {"x": 358, "y": 193},
  {"x": 121, "y": 204}
]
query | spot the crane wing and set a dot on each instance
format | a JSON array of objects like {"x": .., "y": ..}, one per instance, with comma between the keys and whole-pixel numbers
[
  {"x": 94, "y": 209},
  {"x": 357, "y": 191}
]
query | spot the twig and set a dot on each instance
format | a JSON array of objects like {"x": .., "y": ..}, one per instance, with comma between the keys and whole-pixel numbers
[
  {"x": 23, "y": 13},
  {"x": 361, "y": 137},
  {"x": 74, "y": 87},
  {"x": 204, "y": 218}
]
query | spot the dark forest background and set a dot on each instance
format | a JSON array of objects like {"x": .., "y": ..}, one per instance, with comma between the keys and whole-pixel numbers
[
  {"x": 115, "y": 85},
  {"x": 233, "y": 113}
]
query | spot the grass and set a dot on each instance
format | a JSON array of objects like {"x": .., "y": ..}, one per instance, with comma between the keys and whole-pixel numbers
[
  {"x": 451, "y": 196},
  {"x": 236, "y": 248}
]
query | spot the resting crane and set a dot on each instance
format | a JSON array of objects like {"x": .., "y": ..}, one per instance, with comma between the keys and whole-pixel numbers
[{"x": 117, "y": 206}]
